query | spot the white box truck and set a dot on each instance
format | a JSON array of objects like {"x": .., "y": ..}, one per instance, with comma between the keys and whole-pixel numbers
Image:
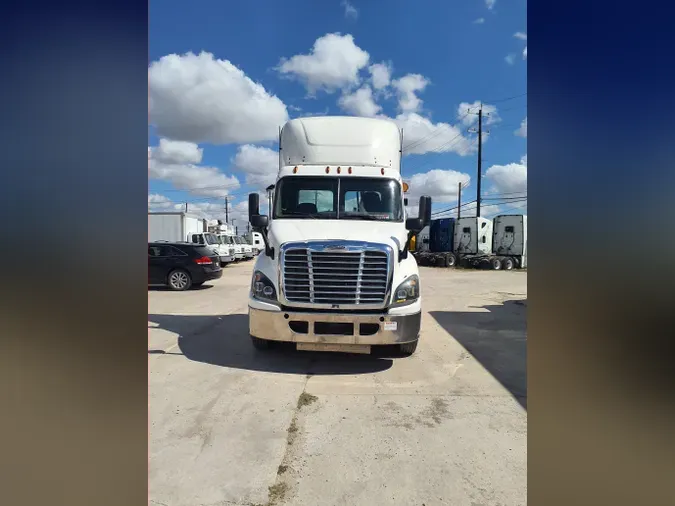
[
  {"x": 335, "y": 273},
  {"x": 183, "y": 227}
]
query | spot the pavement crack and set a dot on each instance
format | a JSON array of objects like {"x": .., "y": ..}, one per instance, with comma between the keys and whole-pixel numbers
[{"x": 281, "y": 489}]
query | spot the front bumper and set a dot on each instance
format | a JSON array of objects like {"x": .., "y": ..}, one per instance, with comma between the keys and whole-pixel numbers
[
  {"x": 249, "y": 254},
  {"x": 239, "y": 256},
  {"x": 227, "y": 259},
  {"x": 318, "y": 327}
]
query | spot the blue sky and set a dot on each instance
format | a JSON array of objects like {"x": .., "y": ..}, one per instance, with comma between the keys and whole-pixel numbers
[{"x": 218, "y": 126}]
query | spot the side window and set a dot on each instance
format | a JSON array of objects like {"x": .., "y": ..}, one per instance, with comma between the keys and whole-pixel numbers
[
  {"x": 352, "y": 201},
  {"x": 175, "y": 252},
  {"x": 198, "y": 238},
  {"x": 482, "y": 225},
  {"x": 508, "y": 229},
  {"x": 322, "y": 199},
  {"x": 158, "y": 251},
  {"x": 466, "y": 230}
]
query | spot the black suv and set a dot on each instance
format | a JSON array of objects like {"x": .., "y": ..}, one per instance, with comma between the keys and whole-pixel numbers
[{"x": 181, "y": 265}]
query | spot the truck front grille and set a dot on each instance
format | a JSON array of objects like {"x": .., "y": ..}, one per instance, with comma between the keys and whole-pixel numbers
[{"x": 329, "y": 277}]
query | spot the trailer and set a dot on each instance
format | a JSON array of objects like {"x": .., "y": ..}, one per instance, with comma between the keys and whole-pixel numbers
[
  {"x": 173, "y": 226},
  {"x": 497, "y": 244},
  {"x": 436, "y": 246}
]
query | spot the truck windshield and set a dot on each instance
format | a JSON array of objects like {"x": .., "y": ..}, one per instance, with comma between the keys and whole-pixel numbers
[
  {"x": 211, "y": 239},
  {"x": 346, "y": 198}
]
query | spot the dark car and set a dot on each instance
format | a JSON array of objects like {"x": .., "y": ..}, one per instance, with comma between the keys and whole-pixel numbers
[{"x": 181, "y": 265}]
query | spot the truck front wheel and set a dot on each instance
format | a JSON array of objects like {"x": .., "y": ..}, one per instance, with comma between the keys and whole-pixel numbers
[
  {"x": 260, "y": 344},
  {"x": 408, "y": 349}
]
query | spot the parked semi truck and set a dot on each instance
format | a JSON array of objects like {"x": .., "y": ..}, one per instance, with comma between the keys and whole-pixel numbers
[
  {"x": 184, "y": 227},
  {"x": 437, "y": 246},
  {"x": 335, "y": 273},
  {"x": 498, "y": 244}
]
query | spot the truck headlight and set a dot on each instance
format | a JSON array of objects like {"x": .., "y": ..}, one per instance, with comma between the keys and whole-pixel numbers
[
  {"x": 407, "y": 292},
  {"x": 262, "y": 287}
]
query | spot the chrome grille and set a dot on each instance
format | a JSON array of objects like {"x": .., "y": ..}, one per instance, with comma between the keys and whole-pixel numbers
[{"x": 335, "y": 277}]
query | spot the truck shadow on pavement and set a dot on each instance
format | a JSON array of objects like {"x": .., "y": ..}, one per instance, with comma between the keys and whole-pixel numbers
[
  {"x": 497, "y": 340},
  {"x": 224, "y": 341}
]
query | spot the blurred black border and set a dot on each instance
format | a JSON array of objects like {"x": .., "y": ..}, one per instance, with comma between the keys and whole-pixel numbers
[{"x": 74, "y": 299}]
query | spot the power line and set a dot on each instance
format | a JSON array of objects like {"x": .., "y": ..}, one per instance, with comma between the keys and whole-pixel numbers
[
  {"x": 435, "y": 134},
  {"x": 505, "y": 99}
]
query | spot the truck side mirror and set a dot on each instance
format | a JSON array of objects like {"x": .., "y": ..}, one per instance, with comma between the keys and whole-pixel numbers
[
  {"x": 424, "y": 217},
  {"x": 259, "y": 221},
  {"x": 415, "y": 225}
]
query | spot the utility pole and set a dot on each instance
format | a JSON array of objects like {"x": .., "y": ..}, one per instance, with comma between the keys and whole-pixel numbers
[
  {"x": 480, "y": 157},
  {"x": 186, "y": 207},
  {"x": 459, "y": 200},
  {"x": 480, "y": 150},
  {"x": 227, "y": 216}
]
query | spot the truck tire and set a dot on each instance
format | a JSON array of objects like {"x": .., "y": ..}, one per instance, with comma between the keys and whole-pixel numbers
[
  {"x": 408, "y": 349},
  {"x": 442, "y": 261},
  {"x": 179, "y": 280},
  {"x": 495, "y": 263},
  {"x": 508, "y": 264},
  {"x": 450, "y": 260},
  {"x": 260, "y": 344}
]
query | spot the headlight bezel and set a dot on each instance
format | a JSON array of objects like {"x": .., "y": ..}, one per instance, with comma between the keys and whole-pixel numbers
[
  {"x": 411, "y": 287},
  {"x": 258, "y": 291}
]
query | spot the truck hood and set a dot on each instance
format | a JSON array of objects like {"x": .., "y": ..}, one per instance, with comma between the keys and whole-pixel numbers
[{"x": 284, "y": 230}]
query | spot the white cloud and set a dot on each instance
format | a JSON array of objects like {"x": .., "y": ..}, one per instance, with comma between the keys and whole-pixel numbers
[
  {"x": 407, "y": 88},
  {"x": 199, "y": 98},
  {"x": 260, "y": 165},
  {"x": 441, "y": 185},
  {"x": 510, "y": 58},
  {"x": 421, "y": 135},
  {"x": 350, "y": 10},
  {"x": 334, "y": 62},
  {"x": 520, "y": 35},
  {"x": 525, "y": 53},
  {"x": 510, "y": 178},
  {"x": 380, "y": 75},
  {"x": 490, "y": 4},
  {"x": 490, "y": 114},
  {"x": 360, "y": 103},
  {"x": 177, "y": 162},
  {"x": 522, "y": 131},
  {"x": 479, "y": 21},
  {"x": 157, "y": 201},
  {"x": 523, "y": 160}
]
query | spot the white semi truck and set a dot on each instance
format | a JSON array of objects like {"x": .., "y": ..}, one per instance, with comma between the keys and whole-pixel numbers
[
  {"x": 335, "y": 273},
  {"x": 500, "y": 243}
]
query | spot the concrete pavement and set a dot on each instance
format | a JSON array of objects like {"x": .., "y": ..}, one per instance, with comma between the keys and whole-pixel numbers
[{"x": 233, "y": 426}]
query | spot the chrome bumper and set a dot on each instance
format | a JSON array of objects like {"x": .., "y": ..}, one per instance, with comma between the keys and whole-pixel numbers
[
  {"x": 227, "y": 258},
  {"x": 379, "y": 328}
]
